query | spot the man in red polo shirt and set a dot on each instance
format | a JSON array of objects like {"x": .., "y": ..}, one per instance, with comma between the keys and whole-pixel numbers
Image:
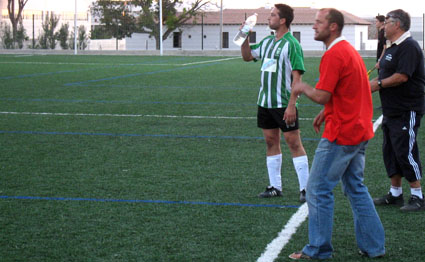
[{"x": 340, "y": 156}]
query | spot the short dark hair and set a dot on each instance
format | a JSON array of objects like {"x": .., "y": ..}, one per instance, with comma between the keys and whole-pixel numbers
[
  {"x": 380, "y": 18},
  {"x": 334, "y": 16},
  {"x": 285, "y": 11},
  {"x": 401, "y": 16}
]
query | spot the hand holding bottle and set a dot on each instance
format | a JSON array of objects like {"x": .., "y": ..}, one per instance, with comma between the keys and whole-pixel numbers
[{"x": 243, "y": 33}]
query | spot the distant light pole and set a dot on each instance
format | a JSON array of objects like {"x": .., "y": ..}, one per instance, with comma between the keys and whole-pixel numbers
[
  {"x": 160, "y": 27},
  {"x": 221, "y": 24},
  {"x": 75, "y": 29},
  {"x": 202, "y": 31}
]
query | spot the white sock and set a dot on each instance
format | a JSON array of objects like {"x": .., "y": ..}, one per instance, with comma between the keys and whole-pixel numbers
[
  {"x": 301, "y": 167},
  {"x": 396, "y": 191},
  {"x": 274, "y": 165},
  {"x": 416, "y": 192}
]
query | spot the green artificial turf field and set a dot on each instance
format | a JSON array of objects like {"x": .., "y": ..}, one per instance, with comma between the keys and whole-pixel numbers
[{"x": 119, "y": 158}]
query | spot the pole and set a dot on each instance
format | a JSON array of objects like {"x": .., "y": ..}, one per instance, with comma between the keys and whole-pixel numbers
[
  {"x": 221, "y": 25},
  {"x": 33, "y": 32},
  {"x": 75, "y": 29},
  {"x": 160, "y": 28},
  {"x": 202, "y": 31}
]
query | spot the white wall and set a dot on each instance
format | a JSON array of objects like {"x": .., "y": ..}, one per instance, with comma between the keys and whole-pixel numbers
[
  {"x": 212, "y": 32},
  {"x": 417, "y": 29},
  {"x": 307, "y": 37},
  {"x": 106, "y": 44}
]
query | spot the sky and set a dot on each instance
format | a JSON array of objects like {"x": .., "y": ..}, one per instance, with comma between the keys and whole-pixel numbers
[
  {"x": 63, "y": 5},
  {"x": 361, "y": 8}
]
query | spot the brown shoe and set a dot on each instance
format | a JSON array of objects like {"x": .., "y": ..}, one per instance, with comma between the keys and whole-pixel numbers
[{"x": 298, "y": 256}]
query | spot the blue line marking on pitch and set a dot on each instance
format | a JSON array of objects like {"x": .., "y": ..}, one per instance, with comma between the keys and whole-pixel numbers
[
  {"x": 89, "y": 69},
  {"x": 39, "y": 74},
  {"x": 51, "y": 73},
  {"x": 140, "y": 135},
  {"x": 142, "y": 201},
  {"x": 139, "y": 74}
]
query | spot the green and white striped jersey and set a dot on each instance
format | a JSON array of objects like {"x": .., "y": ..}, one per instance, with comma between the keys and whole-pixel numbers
[{"x": 279, "y": 59}]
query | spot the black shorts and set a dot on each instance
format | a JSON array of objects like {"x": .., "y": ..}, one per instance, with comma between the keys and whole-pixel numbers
[
  {"x": 271, "y": 118},
  {"x": 400, "y": 148}
]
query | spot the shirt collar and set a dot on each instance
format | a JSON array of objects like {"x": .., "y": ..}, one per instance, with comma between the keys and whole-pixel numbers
[
  {"x": 336, "y": 41},
  {"x": 400, "y": 39}
]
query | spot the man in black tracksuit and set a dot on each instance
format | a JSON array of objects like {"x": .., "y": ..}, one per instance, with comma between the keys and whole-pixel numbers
[{"x": 401, "y": 84}]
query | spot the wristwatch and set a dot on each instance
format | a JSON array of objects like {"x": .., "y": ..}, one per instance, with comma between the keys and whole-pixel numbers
[{"x": 380, "y": 83}]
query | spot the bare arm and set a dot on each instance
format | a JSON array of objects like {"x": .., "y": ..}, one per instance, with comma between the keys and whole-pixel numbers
[
  {"x": 246, "y": 51},
  {"x": 316, "y": 95},
  {"x": 291, "y": 113},
  {"x": 394, "y": 80}
]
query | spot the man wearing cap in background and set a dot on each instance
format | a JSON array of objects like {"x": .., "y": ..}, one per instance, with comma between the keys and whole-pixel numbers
[{"x": 380, "y": 25}]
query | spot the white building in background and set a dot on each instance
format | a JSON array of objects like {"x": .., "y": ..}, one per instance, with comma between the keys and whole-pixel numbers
[{"x": 202, "y": 33}]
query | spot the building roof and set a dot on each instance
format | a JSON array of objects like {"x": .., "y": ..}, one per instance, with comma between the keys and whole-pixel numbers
[{"x": 303, "y": 16}]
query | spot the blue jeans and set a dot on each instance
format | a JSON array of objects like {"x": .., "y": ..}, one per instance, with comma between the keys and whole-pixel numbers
[{"x": 331, "y": 164}]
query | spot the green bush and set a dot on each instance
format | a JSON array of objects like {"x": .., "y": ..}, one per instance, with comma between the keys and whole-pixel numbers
[
  {"x": 63, "y": 36},
  {"x": 48, "y": 37},
  {"x": 6, "y": 36},
  {"x": 82, "y": 39}
]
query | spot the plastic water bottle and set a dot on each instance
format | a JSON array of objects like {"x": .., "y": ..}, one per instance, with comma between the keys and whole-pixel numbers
[{"x": 244, "y": 32}]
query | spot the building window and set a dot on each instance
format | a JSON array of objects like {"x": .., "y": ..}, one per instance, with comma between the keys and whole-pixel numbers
[
  {"x": 177, "y": 39},
  {"x": 225, "y": 40},
  {"x": 297, "y": 36},
  {"x": 253, "y": 37}
]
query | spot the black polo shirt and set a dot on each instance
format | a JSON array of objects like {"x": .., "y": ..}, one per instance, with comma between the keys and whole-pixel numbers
[{"x": 406, "y": 58}]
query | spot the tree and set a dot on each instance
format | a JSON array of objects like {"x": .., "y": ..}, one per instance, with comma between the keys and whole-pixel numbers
[
  {"x": 15, "y": 17},
  {"x": 120, "y": 22},
  {"x": 48, "y": 38},
  {"x": 21, "y": 36},
  {"x": 82, "y": 39},
  {"x": 100, "y": 32},
  {"x": 63, "y": 36},
  {"x": 6, "y": 36},
  {"x": 148, "y": 21}
]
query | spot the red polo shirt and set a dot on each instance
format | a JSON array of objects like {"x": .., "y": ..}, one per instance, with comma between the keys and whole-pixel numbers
[{"x": 348, "y": 113}]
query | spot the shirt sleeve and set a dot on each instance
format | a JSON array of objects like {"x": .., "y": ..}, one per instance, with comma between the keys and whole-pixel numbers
[
  {"x": 329, "y": 73},
  {"x": 297, "y": 58},
  {"x": 256, "y": 51}
]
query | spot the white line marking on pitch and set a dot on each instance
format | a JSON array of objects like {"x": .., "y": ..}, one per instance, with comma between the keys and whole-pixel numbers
[
  {"x": 377, "y": 123},
  {"x": 275, "y": 247},
  {"x": 100, "y": 64},
  {"x": 129, "y": 115},
  {"x": 210, "y": 61}
]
